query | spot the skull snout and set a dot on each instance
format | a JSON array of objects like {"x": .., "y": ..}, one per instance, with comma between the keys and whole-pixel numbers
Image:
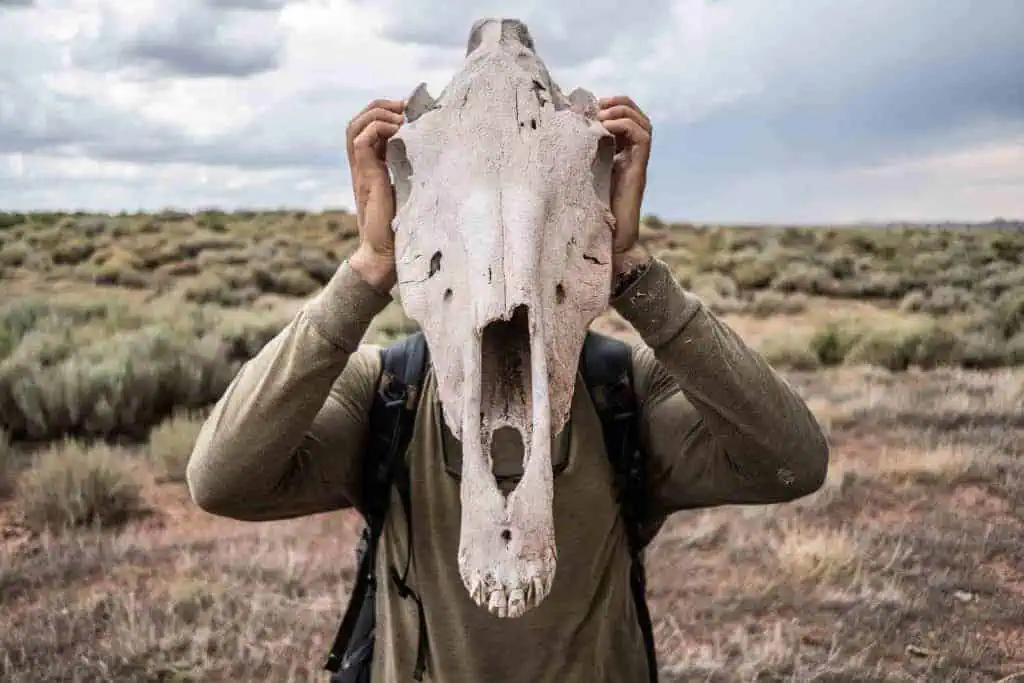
[{"x": 494, "y": 32}]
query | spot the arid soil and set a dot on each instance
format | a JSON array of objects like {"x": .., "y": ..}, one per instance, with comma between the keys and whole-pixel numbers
[{"x": 906, "y": 566}]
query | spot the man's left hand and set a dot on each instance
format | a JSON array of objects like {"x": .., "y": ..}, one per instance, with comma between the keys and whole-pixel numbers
[{"x": 632, "y": 130}]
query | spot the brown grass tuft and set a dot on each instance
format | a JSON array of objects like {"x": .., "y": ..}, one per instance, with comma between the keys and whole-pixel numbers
[
  {"x": 946, "y": 464},
  {"x": 70, "y": 486},
  {"x": 817, "y": 554},
  {"x": 171, "y": 443}
]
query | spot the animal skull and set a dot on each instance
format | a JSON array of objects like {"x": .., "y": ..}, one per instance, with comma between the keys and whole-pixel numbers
[{"x": 503, "y": 237}]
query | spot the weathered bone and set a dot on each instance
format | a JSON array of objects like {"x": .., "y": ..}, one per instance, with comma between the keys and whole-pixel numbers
[
  {"x": 503, "y": 236},
  {"x": 419, "y": 103}
]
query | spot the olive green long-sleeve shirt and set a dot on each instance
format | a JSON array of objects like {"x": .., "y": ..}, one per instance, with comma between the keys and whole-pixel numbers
[{"x": 719, "y": 425}]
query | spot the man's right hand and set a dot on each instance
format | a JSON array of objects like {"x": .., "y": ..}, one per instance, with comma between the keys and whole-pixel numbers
[{"x": 366, "y": 145}]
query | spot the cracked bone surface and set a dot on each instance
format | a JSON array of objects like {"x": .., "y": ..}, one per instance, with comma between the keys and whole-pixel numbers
[{"x": 503, "y": 235}]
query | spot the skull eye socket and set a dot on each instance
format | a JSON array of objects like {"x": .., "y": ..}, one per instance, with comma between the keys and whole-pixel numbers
[
  {"x": 601, "y": 167},
  {"x": 401, "y": 169}
]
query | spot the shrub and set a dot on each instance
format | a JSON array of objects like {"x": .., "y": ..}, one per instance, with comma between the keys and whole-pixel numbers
[
  {"x": 70, "y": 486},
  {"x": 171, "y": 443},
  {"x": 13, "y": 255},
  {"x": 17, "y": 320},
  {"x": 1003, "y": 280},
  {"x": 896, "y": 347},
  {"x": 209, "y": 288},
  {"x": 790, "y": 352},
  {"x": 120, "y": 385},
  {"x": 9, "y": 220},
  {"x": 286, "y": 282},
  {"x": 768, "y": 303},
  {"x": 756, "y": 273},
  {"x": 942, "y": 300},
  {"x": 876, "y": 285},
  {"x": 802, "y": 277},
  {"x": 832, "y": 342},
  {"x": 1014, "y": 353},
  {"x": 8, "y": 466},
  {"x": 981, "y": 351},
  {"x": 72, "y": 252},
  {"x": 713, "y": 286},
  {"x": 1009, "y": 309}
]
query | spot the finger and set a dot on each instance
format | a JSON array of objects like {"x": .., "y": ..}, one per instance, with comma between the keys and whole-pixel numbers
[
  {"x": 629, "y": 130},
  {"x": 397, "y": 106},
  {"x": 620, "y": 100},
  {"x": 369, "y": 140},
  {"x": 621, "y": 111},
  {"x": 361, "y": 122}
]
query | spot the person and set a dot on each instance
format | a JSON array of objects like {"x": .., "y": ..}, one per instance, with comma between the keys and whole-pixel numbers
[{"x": 718, "y": 424}]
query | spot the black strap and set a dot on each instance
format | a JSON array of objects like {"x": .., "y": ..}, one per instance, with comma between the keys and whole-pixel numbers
[
  {"x": 607, "y": 367},
  {"x": 391, "y": 420}
]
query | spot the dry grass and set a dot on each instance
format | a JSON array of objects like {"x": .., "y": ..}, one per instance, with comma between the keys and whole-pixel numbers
[
  {"x": 72, "y": 486},
  {"x": 170, "y": 445},
  {"x": 117, "y": 332},
  {"x": 201, "y": 611},
  {"x": 808, "y": 554},
  {"x": 946, "y": 465}
]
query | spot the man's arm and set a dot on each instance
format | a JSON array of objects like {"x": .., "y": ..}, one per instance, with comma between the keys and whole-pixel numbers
[
  {"x": 286, "y": 438},
  {"x": 719, "y": 424}
]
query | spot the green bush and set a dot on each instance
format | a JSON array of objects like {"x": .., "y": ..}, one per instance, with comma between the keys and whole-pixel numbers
[
  {"x": 9, "y": 220},
  {"x": 790, "y": 352},
  {"x": 767, "y": 303},
  {"x": 8, "y": 466},
  {"x": 171, "y": 443},
  {"x": 926, "y": 345},
  {"x": 98, "y": 379},
  {"x": 1009, "y": 309},
  {"x": 805, "y": 278},
  {"x": 70, "y": 486},
  {"x": 832, "y": 342}
]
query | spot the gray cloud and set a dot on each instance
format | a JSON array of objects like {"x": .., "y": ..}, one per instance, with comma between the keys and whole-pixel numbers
[
  {"x": 566, "y": 33},
  {"x": 196, "y": 39},
  {"x": 16, "y": 3},
  {"x": 828, "y": 87},
  {"x": 253, "y": 5},
  {"x": 851, "y": 85},
  {"x": 37, "y": 120},
  {"x": 303, "y": 132}
]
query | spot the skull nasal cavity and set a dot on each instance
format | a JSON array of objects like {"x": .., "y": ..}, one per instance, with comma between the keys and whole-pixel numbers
[{"x": 435, "y": 264}]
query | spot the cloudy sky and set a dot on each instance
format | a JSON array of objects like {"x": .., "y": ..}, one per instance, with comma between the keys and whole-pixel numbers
[{"x": 764, "y": 110}]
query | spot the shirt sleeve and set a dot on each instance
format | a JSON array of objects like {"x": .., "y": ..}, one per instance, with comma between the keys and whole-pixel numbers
[
  {"x": 719, "y": 424},
  {"x": 286, "y": 438}
]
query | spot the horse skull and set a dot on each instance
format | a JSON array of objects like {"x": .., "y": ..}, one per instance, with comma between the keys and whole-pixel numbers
[{"x": 503, "y": 236}]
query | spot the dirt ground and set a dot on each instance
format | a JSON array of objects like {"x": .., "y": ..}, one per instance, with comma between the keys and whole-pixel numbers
[{"x": 906, "y": 566}]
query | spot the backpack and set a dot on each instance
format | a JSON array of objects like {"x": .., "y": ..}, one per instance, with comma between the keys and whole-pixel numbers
[{"x": 606, "y": 365}]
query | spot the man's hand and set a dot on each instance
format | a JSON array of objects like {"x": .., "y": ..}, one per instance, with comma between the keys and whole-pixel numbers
[
  {"x": 632, "y": 130},
  {"x": 366, "y": 143}
]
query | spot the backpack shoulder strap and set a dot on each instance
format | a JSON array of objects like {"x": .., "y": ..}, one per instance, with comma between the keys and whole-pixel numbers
[
  {"x": 607, "y": 368},
  {"x": 390, "y": 425},
  {"x": 392, "y": 416}
]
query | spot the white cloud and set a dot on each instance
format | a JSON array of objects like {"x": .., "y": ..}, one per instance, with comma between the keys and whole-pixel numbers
[{"x": 763, "y": 109}]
